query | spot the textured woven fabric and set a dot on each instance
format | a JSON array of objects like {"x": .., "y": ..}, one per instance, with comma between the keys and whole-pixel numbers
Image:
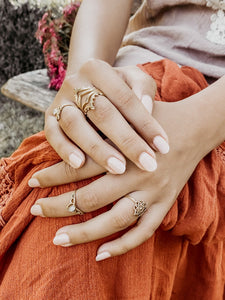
[{"x": 183, "y": 260}]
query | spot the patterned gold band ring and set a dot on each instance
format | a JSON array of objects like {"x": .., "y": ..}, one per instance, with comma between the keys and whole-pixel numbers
[{"x": 84, "y": 98}]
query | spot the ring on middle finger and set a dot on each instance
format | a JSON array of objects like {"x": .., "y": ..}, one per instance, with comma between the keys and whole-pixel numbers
[{"x": 84, "y": 98}]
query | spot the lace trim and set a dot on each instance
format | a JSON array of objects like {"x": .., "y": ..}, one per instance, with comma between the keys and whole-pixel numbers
[
  {"x": 216, "y": 34},
  {"x": 6, "y": 185},
  {"x": 221, "y": 152}
]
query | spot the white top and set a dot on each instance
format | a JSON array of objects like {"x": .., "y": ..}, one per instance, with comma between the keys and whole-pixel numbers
[{"x": 188, "y": 32}]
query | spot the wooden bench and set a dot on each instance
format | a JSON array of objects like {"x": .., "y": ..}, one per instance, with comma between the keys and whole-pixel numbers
[{"x": 31, "y": 89}]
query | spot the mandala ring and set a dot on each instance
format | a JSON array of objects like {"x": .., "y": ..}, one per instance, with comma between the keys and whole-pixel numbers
[{"x": 139, "y": 206}]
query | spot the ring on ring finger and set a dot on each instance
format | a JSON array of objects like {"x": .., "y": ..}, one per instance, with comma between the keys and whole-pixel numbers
[{"x": 139, "y": 206}]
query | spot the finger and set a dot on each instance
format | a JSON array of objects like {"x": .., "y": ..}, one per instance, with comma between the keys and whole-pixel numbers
[
  {"x": 63, "y": 173},
  {"x": 76, "y": 127},
  {"x": 118, "y": 218},
  {"x": 126, "y": 102},
  {"x": 65, "y": 148},
  {"x": 88, "y": 198},
  {"x": 136, "y": 236},
  {"x": 142, "y": 84}
]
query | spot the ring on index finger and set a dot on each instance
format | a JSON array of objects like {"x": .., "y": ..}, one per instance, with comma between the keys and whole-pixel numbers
[
  {"x": 58, "y": 111},
  {"x": 84, "y": 98}
]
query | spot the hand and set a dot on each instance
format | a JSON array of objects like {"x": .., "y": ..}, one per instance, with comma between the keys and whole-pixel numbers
[
  {"x": 123, "y": 87},
  {"x": 158, "y": 190}
]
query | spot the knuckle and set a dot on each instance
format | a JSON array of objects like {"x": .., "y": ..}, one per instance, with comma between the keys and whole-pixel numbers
[
  {"x": 126, "y": 96},
  {"x": 103, "y": 111},
  {"x": 69, "y": 119},
  {"x": 70, "y": 172},
  {"x": 129, "y": 141},
  {"x": 90, "y": 65},
  {"x": 147, "y": 125},
  {"x": 124, "y": 248},
  {"x": 120, "y": 221},
  {"x": 87, "y": 200},
  {"x": 83, "y": 237},
  {"x": 94, "y": 148}
]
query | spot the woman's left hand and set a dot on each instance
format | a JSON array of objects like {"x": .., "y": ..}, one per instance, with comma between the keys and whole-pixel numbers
[{"x": 158, "y": 190}]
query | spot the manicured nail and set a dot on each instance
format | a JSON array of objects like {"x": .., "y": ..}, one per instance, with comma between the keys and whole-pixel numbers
[
  {"x": 62, "y": 240},
  {"x": 161, "y": 144},
  {"x": 36, "y": 210},
  {"x": 102, "y": 256},
  {"x": 147, "y": 102},
  {"x": 75, "y": 160},
  {"x": 33, "y": 182},
  {"x": 147, "y": 162},
  {"x": 116, "y": 166}
]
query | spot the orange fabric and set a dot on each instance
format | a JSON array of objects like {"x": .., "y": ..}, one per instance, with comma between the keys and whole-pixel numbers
[{"x": 183, "y": 260}]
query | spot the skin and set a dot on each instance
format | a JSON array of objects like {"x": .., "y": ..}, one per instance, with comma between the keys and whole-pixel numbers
[
  {"x": 158, "y": 189},
  {"x": 89, "y": 64}
]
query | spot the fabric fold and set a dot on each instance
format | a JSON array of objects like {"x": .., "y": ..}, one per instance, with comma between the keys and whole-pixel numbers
[{"x": 176, "y": 263}]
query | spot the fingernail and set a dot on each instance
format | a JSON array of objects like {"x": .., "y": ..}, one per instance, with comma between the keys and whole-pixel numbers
[
  {"x": 102, "y": 256},
  {"x": 33, "y": 182},
  {"x": 116, "y": 165},
  {"x": 36, "y": 210},
  {"x": 147, "y": 162},
  {"x": 62, "y": 240},
  {"x": 161, "y": 144},
  {"x": 147, "y": 102},
  {"x": 75, "y": 160}
]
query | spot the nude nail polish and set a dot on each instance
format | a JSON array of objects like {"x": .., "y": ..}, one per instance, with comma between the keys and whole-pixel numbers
[
  {"x": 75, "y": 160},
  {"x": 33, "y": 182},
  {"x": 147, "y": 162},
  {"x": 102, "y": 256},
  {"x": 161, "y": 144},
  {"x": 36, "y": 210},
  {"x": 62, "y": 240},
  {"x": 116, "y": 166}
]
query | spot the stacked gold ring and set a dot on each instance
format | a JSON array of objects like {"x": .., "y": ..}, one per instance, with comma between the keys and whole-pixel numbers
[{"x": 84, "y": 98}]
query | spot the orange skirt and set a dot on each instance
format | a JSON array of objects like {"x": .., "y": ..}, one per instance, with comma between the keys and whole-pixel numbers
[{"x": 184, "y": 259}]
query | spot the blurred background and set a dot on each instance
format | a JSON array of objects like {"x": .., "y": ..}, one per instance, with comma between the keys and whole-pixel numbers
[{"x": 19, "y": 52}]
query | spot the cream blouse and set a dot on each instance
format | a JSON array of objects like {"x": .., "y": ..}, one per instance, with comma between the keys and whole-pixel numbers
[{"x": 189, "y": 32}]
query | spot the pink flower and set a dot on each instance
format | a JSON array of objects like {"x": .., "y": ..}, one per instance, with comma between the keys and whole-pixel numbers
[{"x": 54, "y": 35}]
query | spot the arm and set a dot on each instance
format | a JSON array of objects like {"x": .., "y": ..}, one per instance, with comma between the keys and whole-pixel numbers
[
  {"x": 97, "y": 35},
  {"x": 98, "y": 31}
]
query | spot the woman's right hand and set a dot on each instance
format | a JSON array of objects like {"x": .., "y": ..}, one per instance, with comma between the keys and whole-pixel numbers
[{"x": 119, "y": 115}]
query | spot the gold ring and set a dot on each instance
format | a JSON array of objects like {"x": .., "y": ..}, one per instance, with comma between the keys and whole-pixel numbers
[
  {"x": 71, "y": 207},
  {"x": 58, "y": 111},
  {"x": 84, "y": 98},
  {"x": 139, "y": 206}
]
